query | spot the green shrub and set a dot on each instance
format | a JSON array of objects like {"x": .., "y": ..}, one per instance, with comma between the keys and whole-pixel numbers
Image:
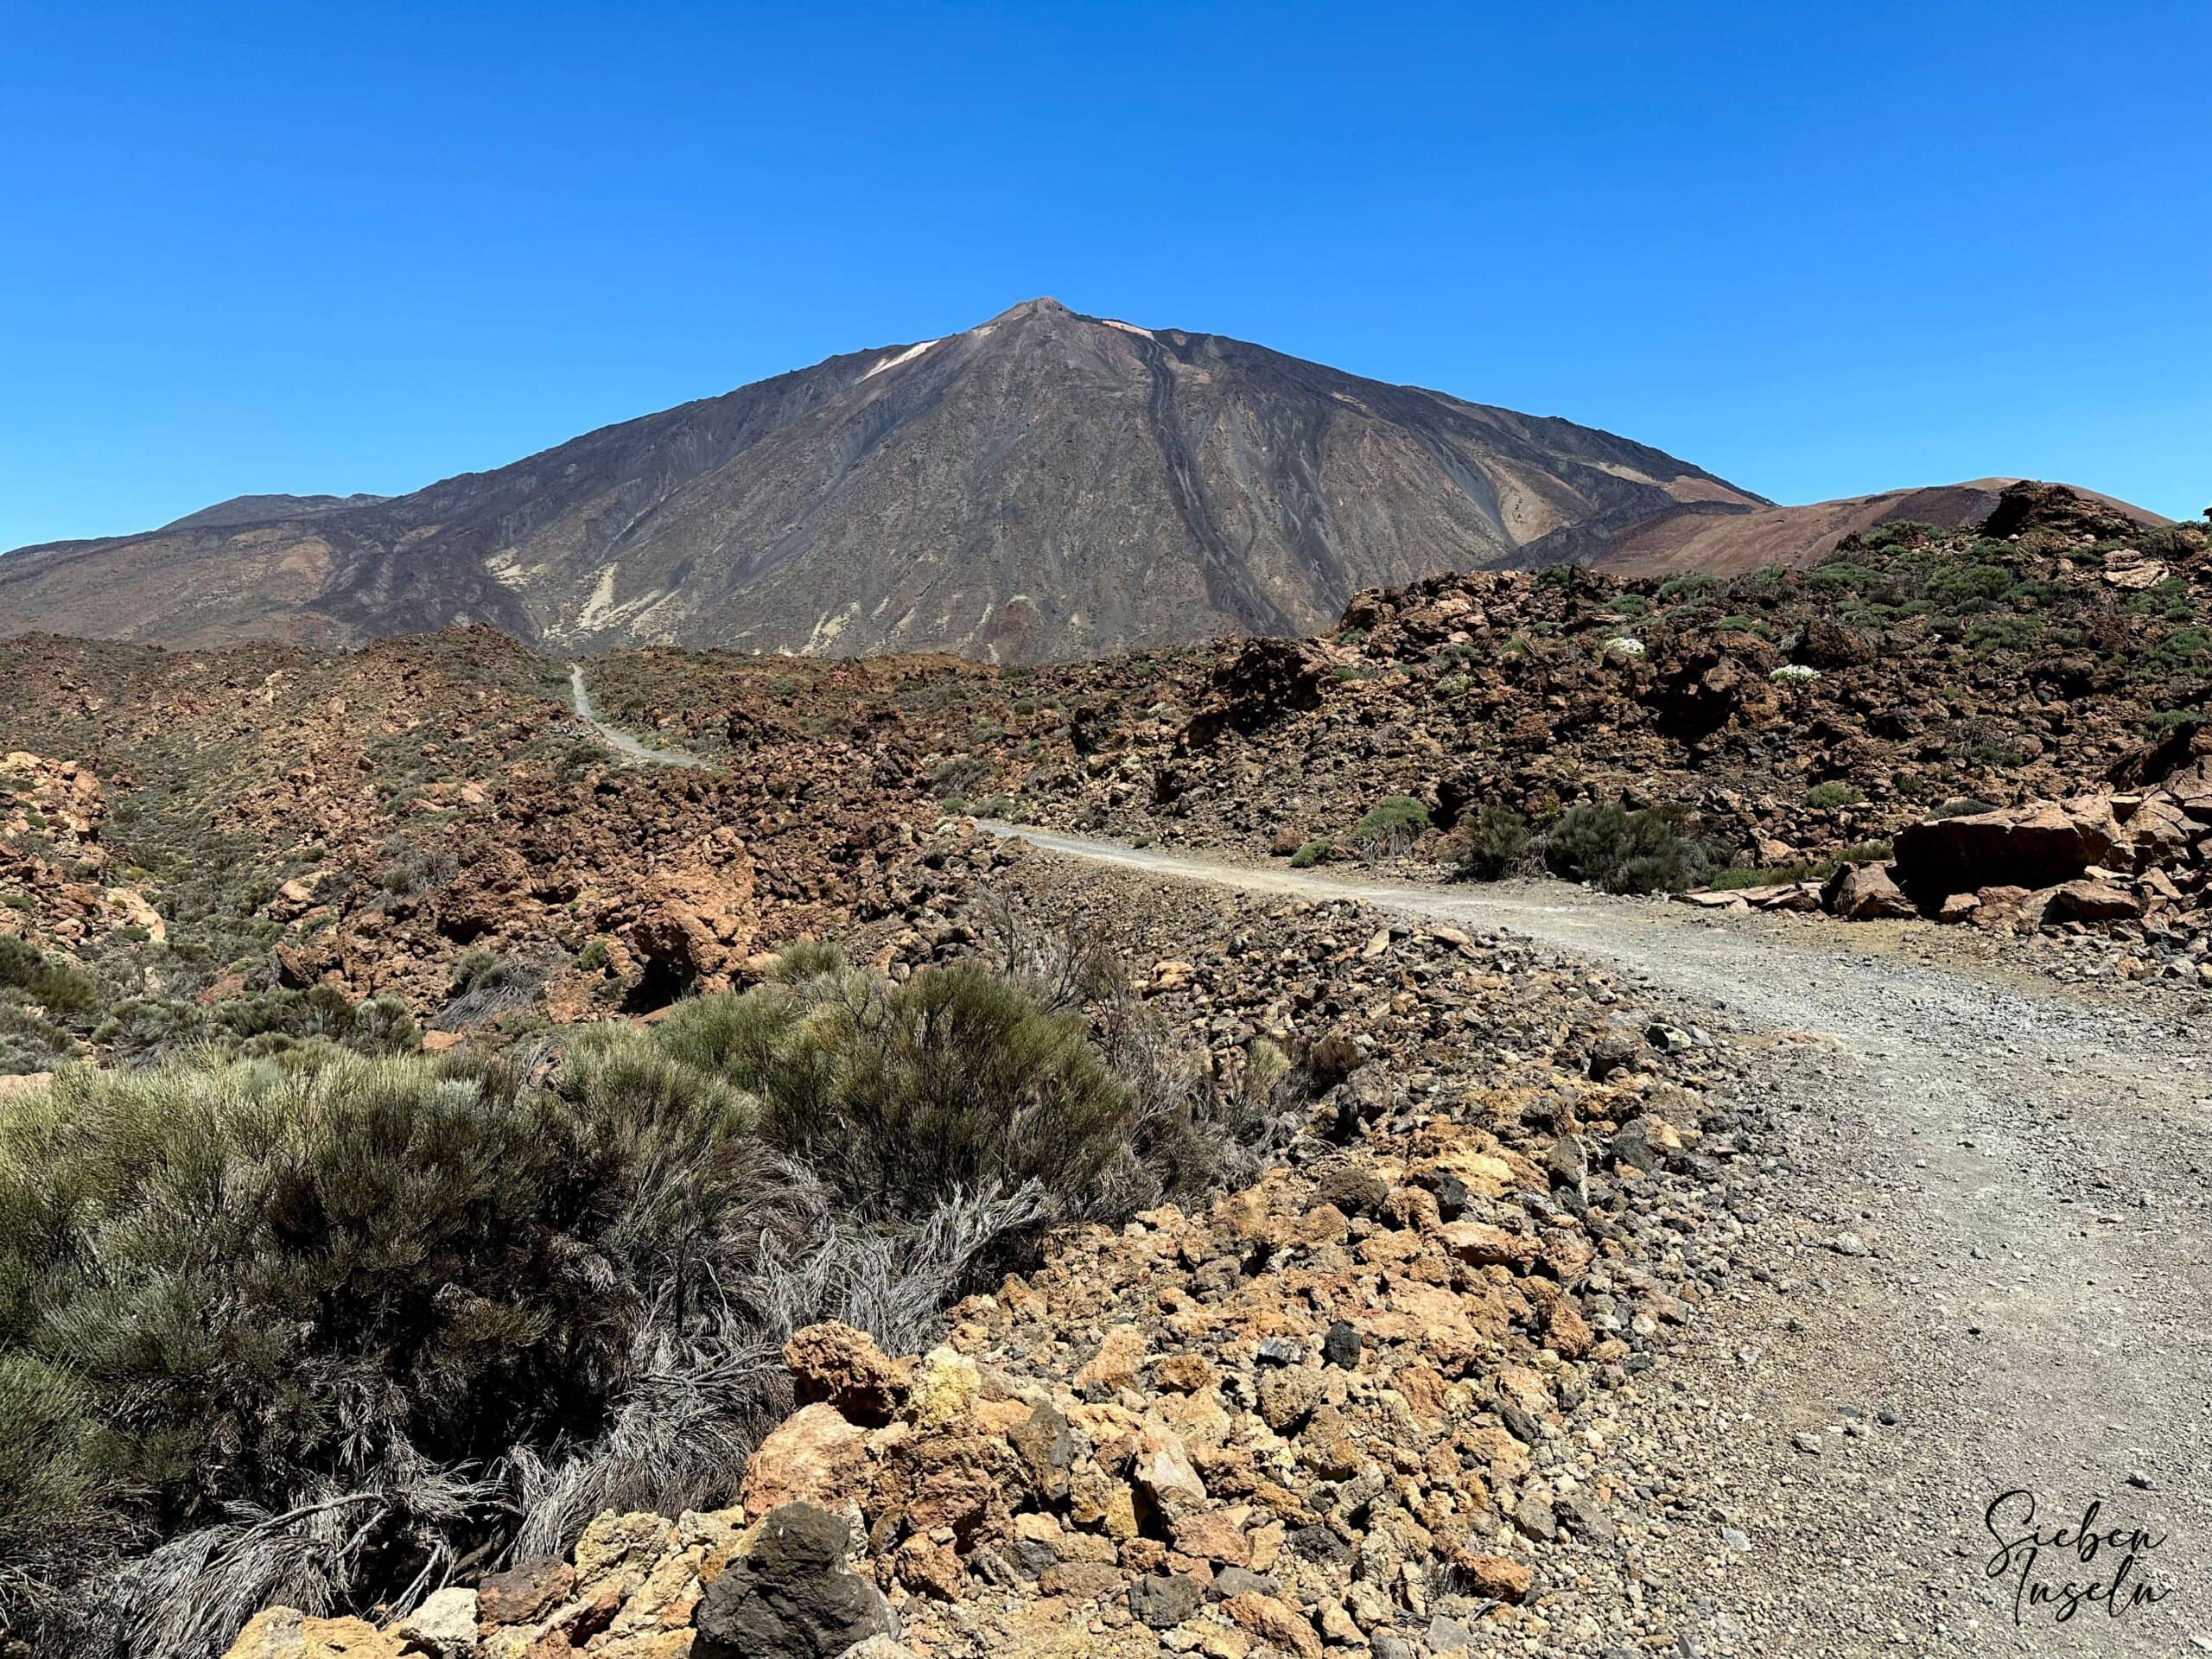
[
  {"x": 1454, "y": 685},
  {"x": 377, "y": 1025},
  {"x": 319, "y": 1326},
  {"x": 1902, "y": 532},
  {"x": 1966, "y": 586},
  {"x": 50, "y": 979},
  {"x": 1489, "y": 846},
  {"x": 1311, "y": 853},
  {"x": 2184, "y": 645},
  {"x": 1629, "y": 604},
  {"x": 2005, "y": 633},
  {"x": 1608, "y": 845},
  {"x": 417, "y": 869},
  {"x": 1740, "y": 877},
  {"x": 1842, "y": 576},
  {"x": 1690, "y": 584},
  {"x": 1392, "y": 824},
  {"x": 1835, "y": 793},
  {"x": 903, "y": 1095},
  {"x": 962, "y": 776}
]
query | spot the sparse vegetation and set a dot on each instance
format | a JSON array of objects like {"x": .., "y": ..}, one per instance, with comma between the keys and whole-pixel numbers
[
  {"x": 1391, "y": 825},
  {"x": 1651, "y": 849},
  {"x": 1835, "y": 793},
  {"x": 1494, "y": 843},
  {"x": 319, "y": 1326}
]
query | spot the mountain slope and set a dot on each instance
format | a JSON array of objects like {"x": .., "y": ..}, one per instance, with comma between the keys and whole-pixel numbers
[
  {"x": 1045, "y": 485},
  {"x": 1729, "y": 544}
]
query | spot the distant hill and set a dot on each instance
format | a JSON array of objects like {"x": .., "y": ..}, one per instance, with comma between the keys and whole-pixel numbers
[{"x": 1729, "y": 544}]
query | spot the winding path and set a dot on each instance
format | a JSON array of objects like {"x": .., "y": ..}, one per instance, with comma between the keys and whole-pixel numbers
[
  {"x": 2031, "y": 1176},
  {"x": 620, "y": 742}
]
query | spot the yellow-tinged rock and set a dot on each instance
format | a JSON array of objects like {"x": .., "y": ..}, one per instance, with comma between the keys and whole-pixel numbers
[
  {"x": 287, "y": 1633},
  {"x": 947, "y": 1384},
  {"x": 621, "y": 1548},
  {"x": 140, "y": 913},
  {"x": 1098, "y": 1501}
]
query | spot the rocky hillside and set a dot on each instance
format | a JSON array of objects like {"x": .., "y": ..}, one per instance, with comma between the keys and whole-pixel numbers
[
  {"x": 1045, "y": 485},
  {"x": 1385, "y": 1399},
  {"x": 385, "y": 823},
  {"x": 1796, "y": 712}
]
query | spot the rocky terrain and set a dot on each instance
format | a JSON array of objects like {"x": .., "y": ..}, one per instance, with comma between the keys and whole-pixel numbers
[
  {"x": 1796, "y": 721},
  {"x": 1366, "y": 1403},
  {"x": 395, "y": 822},
  {"x": 1406, "y": 1380}
]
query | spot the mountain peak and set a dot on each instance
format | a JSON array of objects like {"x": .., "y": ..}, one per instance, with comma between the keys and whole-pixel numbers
[
  {"x": 1043, "y": 306},
  {"x": 1061, "y": 492}
]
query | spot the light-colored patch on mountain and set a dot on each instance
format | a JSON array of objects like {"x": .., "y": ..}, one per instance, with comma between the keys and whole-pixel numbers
[
  {"x": 505, "y": 567},
  {"x": 1688, "y": 488},
  {"x": 832, "y": 624},
  {"x": 303, "y": 566},
  {"x": 644, "y": 627},
  {"x": 1128, "y": 327},
  {"x": 600, "y": 606},
  {"x": 907, "y": 356},
  {"x": 1527, "y": 512}
]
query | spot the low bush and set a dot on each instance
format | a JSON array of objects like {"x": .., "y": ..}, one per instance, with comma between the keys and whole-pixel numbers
[
  {"x": 1835, "y": 793},
  {"x": 1309, "y": 854},
  {"x": 1391, "y": 825},
  {"x": 1960, "y": 587},
  {"x": 49, "y": 980},
  {"x": 1489, "y": 845},
  {"x": 484, "y": 985},
  {"x": 318, "y": 1327},
  {"x": 414, "y": 869},
  {"x": 1653, "y": 849},
  {"x": 1775, "y": 875}
]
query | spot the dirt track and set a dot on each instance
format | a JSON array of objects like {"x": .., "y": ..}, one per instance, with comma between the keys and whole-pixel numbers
[
  {"x": 2028, "y": 1173},
  {"x": 620, "y": 742}
]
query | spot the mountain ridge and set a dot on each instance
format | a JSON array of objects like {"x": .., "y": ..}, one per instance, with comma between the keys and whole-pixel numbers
[{"x": 1045, "y": 485}]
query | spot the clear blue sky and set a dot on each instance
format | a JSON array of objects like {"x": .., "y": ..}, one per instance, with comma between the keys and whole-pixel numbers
[{"x": 1820, "y": 250}]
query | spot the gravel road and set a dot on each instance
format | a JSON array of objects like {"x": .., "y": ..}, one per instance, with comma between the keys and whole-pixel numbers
[
  {"x": 620, "y": 742},
  {"x": 1991, "y": 1272}
]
